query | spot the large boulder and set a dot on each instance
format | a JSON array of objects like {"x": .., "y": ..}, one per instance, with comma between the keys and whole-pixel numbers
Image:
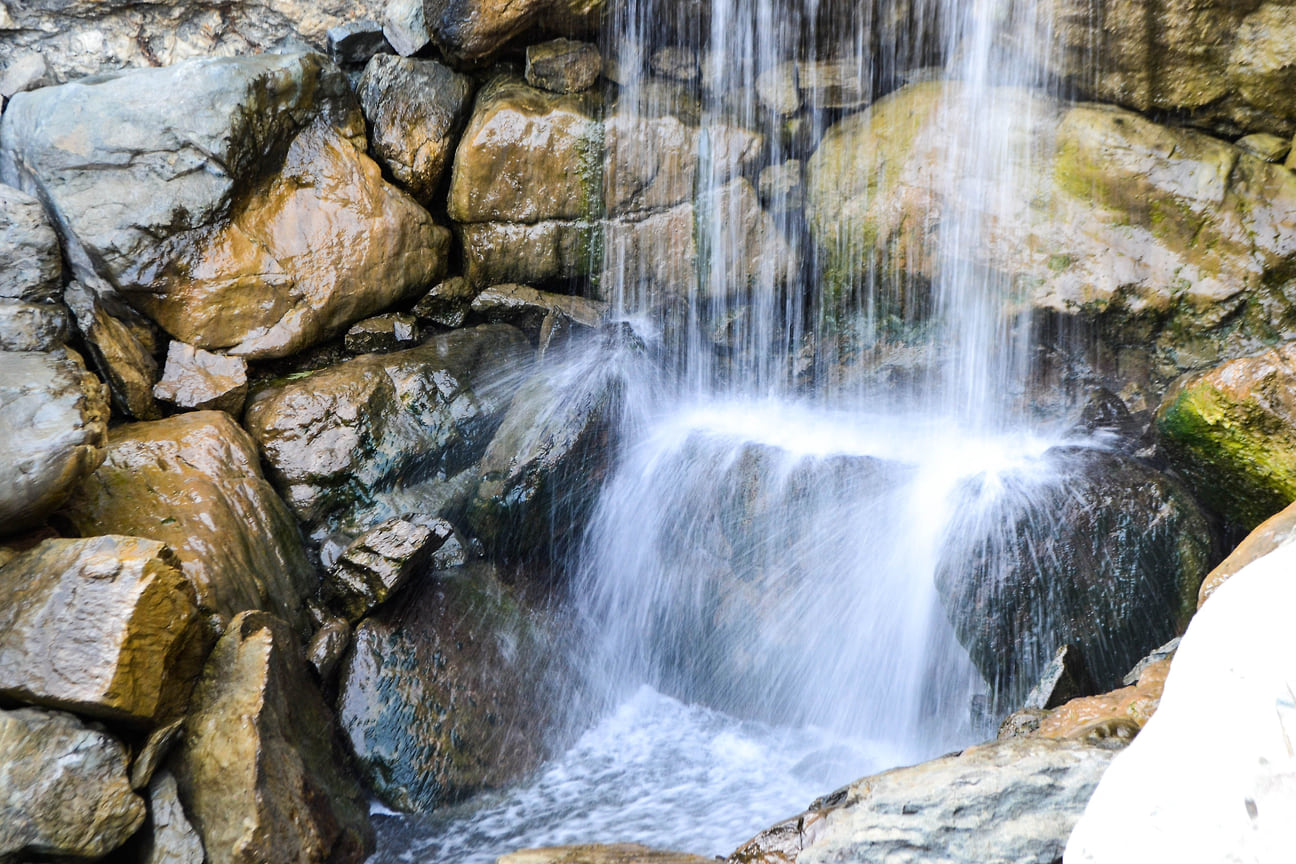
[
  {"x": 1014, "y": 800},
  {"x": 194, "y": 482},
  {"x": 272, "y": 229},
  {"x": 63, "y": 788},
  {"x": 1177, "y": 245},
  {"x": 1229, "y": 431},
  {"x": 1088, "y": 549},
  {"x": 473, "y": 30},
  {"x": 106, "y": 626},
  {"x": 53, "y": 432},
  {"x": 259, "y": 771},
  {"x": 341, "y": 439},
  {"x": 440, "y": 696}
]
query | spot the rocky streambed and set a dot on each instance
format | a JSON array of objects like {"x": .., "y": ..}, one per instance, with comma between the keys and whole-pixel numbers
[{"x": 309, "y": 382}]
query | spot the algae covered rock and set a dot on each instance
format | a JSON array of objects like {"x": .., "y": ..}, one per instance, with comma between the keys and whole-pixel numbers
[
  {"x": 259, "y": 771},
  {"x": 106, "y": 626}
]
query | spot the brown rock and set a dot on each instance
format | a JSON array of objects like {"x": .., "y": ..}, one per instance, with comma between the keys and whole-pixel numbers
[
  {"x": 447, "y": 304},
  {"x": 198, "y": 380},
  {"x": 1277, "y": 530},
  {"x": 382, "y": 333},
  {"x": 156, "y": 748},
  {"x": 328, "y": 646},
  {"x": 545, "y": 252},
  {"x": 122, "y": 346},
  {"x": 563, "y": 65},
  {"x": 470, "y": 30},
  {"x": 259, "y": 772},
  {"x": 376, "y": 565},
  {"x": 525, "y": 308},
  {"x": 1120, "y": 712},
  {"x": 193, "y": 481}
]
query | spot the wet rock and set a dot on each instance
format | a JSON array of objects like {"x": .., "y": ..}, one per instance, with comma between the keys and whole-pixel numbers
[
  {"x": 343, "y": 437},
  {"x": 24, "y": 72},
  {"x": 32, "y": 326},
  {"x": 834, "y": 84},
  {"x": 259, "y": 771},
  {"x": 214, "y": 251},
  {"x": 1270, "y": 148},
  {"x": 525, "y": 308},
  {"x": 193, "y": 481},
  {"x": 53, "y": 432},
  {"x": 198, "y": 380},
  {"x": 1064, "y": 679},
  {"x": 1118, "y": 714},
  {"x": 376, "y": 565},
  {"x": 447, "y": 304},
  {"x": 1013, "y": 800},
  {"x": 122, "y": 346},
  {"x": 675, "y": 62},
  {"x": 156, "y": 748},
  {"x": 171, "y": 839},
  {"x": 563, "y": 65},
  {"x": 1276, "y": 531},
  {"x": 439, "y": 694},
  {"x": 546, "y": 252},
  {"x": 404, "y": 27},
  {"x": 31, "y": 266},
  {"x": 1106, "y": 556},
  {"x": 416, "y": 110},
  {"x": 1228, "y": 432},
  {"x": 328, "y": 646},
  {"x": 381, "y": 334},
  {"x": 106, "y": 627},
  {"x": 63, "y": 789},
  {"x": 470, "y": 30},
  {"x": 779, "y": 89},
  {"x": 781, "y": 188},
  {"x": 356, "y": 41},
  {"x": 617, "y": 853}
]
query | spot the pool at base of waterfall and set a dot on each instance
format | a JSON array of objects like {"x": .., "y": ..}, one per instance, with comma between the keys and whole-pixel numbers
[{"x": 654, "y": 771}]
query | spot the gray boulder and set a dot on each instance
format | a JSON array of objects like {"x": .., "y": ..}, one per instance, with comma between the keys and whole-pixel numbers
[
  {"x": 33, "y": 326},
  {"x": 198, "y": 380},
  {"x": 31, "y": 266},
  {"x": 356, "y": 41},
  {"x": 404, "y": 27}
]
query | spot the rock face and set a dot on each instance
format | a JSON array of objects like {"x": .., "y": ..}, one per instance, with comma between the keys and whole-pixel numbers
[
  {"x": 259, "y": 771},
  {"x": 526, "y": 308},
  {"x": 469, "y": 30},
  {"x": 106, "y": 626},
  {"x": 198, "y": 380},
  {"x": 216, "y": 247},
  {"x": 172, "y": 840},
  {"x": 31, "y": 266},
  {"x": 193, "y": 481},
  {"x": 563, "y": 65},
  {"x": 122, "y": 345},
  {"x": 63, "y": 788},
  {"x": 1106, "y": 557},
  {"x": 438, "y": 697},
  {"x": 53, "y": 432},
  {"x": 340, "y": 438},
  {"x": 1231, "y": 802},
  {"x": 1175, "y": 244},
  {"x": 1011, "y": 800},
  {"x": 377, "y": 564},
  {"x": 416, "y": 110},
  {"x": 32, "y": 326},
  {"x": 1228, "y": 431}
]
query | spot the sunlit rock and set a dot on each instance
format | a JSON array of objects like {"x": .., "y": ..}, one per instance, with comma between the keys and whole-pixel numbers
[
  {"x": 33, "y": 326},
  {"x": 122, "y": 346},
  {"x": 525, "y": 308},
  {"x": 382, "y": 333},
  {"x": 618, "y": 853},
  {"x": 378, "y": 563},
  {"x": 1278, "y": 530},
  {"x": 198, "y": 380}
]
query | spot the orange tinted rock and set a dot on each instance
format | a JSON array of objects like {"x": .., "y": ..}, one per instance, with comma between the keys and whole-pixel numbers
[
  {"x": 1109, "y": 713},
  {"x": 1277, "y": 530}
]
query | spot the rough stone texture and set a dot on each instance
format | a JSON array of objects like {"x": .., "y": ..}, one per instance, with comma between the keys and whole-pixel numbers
[
  {"x": 63, "y": 789},
  {"x": 1278, "y": 530},
  {"x": 1232, "y": 801},
  {"x": 781, "y": 186},
  {"x": 447, "y": 304},
  {"x": 213, "y": 246},
  {"x": 193, "y": 481},
  {"x": 339, "y": 439},
  {"x": 439, "y": 697},
  {"x": 32, "y": 326},
  {"x": 469, "y": 30},
  {"x": 198, "y": 380},
  {"x": 404, "y": 27},
  {"x": 356, "y": 42},
  {"x": 82, "y": 37},
  {"x": 1064, "y": 678},
  {"x": 546, "y": 252},
  {"x": 171, "y": 840},
  {"x": 1177, "y": 246},
  {"x": 157, "y": 746},
  {"x": 259, "y": 771},
  {"x": 24, "y": 72},
  {"x": 1270, "y": 148},
  {"x": 563, "y": 65},
  {"x": 328, "y": 646},
  {"x": 1106, "y": 555},
  {"x": 382, "y": 333},
  {"x": 122, "y": 346},
  {"x": 53, "y": 432},
  {"x": 377, "y": 565},
  {"x": 525, "y": 307},
  {"x": 1119, "y": 713},
  {"x": 106, "y": 626},
  {"x": 617, "y": 853},
  {"x": 416, "y": 110},
  {"x": 31, "y": 266},
  {"x": 841, "y": 84},
  {"x": 1230, "y": 433}
]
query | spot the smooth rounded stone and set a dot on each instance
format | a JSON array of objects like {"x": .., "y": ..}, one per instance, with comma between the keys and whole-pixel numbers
[
  {"x": 563, "y": 65},
  {"x": 440, "y": 695},
  {"x": 63, "y": 789},
  {"x": 382, "y": 333},
  {"x": 1176, "y": 246},
  {"x": 376, "y": 565},
  {"x": 170, "y": 839},
  {"x": 194, "y": 482},
  {"x": 416, "y": 110},
  {"x": 345, "y": 435},
  {"x": 1278, "y": 530},
  {"x": 122, "y": 346},
  {"x": 834, "y": 84},
  {"x": 32, "y": 326},
  {"x": 24, "y": 72},
  {"x": 215, "y": 249},
  {"x": 1270, "y": 148},
  {"x": 616, "y": 853},
  {"x": 198, "y": 380},
  {"x": 106, "y": 626},
  {"x": 781, "y": 187},
  {"x": 404, "y": 27},
  {"x": 1013, "y": 800},
  {"x": 328, "y": 646},
  {"x": 544, "y": 252},
  {"x": 356, "y": 41},
  {"x": 1105, "y": 555},
  {"x": 1228, "y": 702},
  {"x": 525, "y": 307},
  {"x": 259, "y": 771},
  {"x": 472, "y": 30},
  {"x": 1229, "y": 432},
  {"x": 53, "y": 432},
  {"x": 31, "y": 265},
  {"x": 447, "y": 304}
]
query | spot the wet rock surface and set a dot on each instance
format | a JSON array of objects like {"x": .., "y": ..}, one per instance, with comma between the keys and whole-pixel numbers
[
  {"x": 198, "y": 380},
  {"x": 382, "y": 333},
  {"x": 378, "y": 563},
  {"x": 471, "y": 30},
  {"x": 122, "y": 346},
  {"x": 619, "y": 853},
  {"x": 171, "y": 839},
  {"x": 526, "y": 308},
  {"x": 447, "y": 304},
  {"x": 106, "y": 626},
  {"x": 259, "y": 771},
  {"x": 33, "y": 326},
  {"x": 563, "y": 65},
  {"x": 30, "y": 263},
  {"x": 63, "y": 789}
]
